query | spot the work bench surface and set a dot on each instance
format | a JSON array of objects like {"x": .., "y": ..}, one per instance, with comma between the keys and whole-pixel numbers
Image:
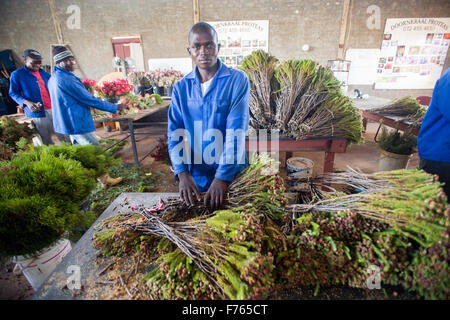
[
  {"x": 83, "y": 254},
  {"x": 134, "y": 117}
]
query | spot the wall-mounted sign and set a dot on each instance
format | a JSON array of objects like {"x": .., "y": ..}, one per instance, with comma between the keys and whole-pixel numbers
[
  {"x": 239, "y": 38},
  {"x": 413, "y": 53}
]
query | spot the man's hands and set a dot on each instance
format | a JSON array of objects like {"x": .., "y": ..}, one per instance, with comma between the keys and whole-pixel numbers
[
  {"x": 216, "y": 194},
  {"x": 188, "y": 188},
  {"x": 214, "y": 198},
  {"x": 121, "y": 106},
  {"x": 34, "y": 106}
]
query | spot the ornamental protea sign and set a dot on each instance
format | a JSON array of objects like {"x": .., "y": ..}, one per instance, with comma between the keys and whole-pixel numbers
[
  {"x": 238, "y": 39},
  {"x": 413, "y": 53}
]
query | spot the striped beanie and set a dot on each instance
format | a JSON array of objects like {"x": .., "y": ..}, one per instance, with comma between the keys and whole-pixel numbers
[{"x": 61, "y": 53}]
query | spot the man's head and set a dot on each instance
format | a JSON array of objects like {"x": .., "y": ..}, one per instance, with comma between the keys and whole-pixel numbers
[
  {"x": 64, "y": 58},
  {"x": 33, "y": 60},
  {"x": 203, "y": 45}
]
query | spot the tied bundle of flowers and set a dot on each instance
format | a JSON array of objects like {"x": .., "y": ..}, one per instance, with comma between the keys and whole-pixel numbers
[
  {"x": 113, "y": 89},
  {"x": 136, "y": 103},
  {"x": 170, "y": 77},
  {"x": 136, "y": 78},
  {"x": 164, "y": 77},
  {"x": 89, "y": 84}
]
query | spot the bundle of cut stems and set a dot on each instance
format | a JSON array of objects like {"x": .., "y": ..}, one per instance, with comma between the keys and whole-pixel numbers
[
  {"x": 256, "y": 192},
  {"x": 404, "y": 107},
  {"x": 294, "y": 77},
  {"x": 260, "y": 68},
  {"x": 304, "y": 99},
  {"x": 408, "y": 200},
  {"x": 336, "y": 116},
  {"x": 416, "y": 119}
]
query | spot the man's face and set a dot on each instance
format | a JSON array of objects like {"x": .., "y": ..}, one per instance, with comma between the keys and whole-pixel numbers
[
  {"x": 33, "y": 64},
  {"x": 203, "y": 49},
  {"x": 69, "y": 64}
]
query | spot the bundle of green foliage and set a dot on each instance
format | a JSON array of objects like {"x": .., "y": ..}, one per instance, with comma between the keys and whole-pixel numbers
[
  {"x": 93, "y": 158},
  {"x": 396, "y": 142},
  {"x": 39, "y": 200},
  {"x": 13, "y": 137},
  {"x": 403, "y": 231}
]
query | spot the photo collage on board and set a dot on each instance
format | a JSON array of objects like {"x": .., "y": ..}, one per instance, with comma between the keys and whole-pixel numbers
[
  {"x": 234, "y": 50},
  {"x": 419, "y": 57}
]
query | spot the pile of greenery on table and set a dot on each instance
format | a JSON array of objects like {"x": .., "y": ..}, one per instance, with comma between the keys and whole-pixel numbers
[
  {"x": 300, "y": 98},
  {"x": 41, "y": 190},
  {"x": 404, "y": 107},
  {"x": 400, "y": 226}
]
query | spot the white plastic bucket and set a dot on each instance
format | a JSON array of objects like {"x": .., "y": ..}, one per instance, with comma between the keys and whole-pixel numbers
[
  {"x": 298, "y": 168},
  {"x": 391, "y": 161},
  {"x": 37, "y": 269}
]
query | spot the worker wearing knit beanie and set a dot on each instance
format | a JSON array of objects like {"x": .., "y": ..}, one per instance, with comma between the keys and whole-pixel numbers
[
  {"x": 72, "y": 102},
  {"x": 64, "y": 58}
]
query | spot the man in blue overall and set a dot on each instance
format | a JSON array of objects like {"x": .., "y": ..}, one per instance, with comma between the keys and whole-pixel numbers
[
  {"x": 71, "y": 105},
  {"x": 29, "y": 89},
  {"x": 433, "y": 142},
  {"x": 207, "y": 122},
  {"x": 71, "y": 100}
]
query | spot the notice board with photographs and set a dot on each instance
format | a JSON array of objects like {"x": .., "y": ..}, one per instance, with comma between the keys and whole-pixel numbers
[
  {"x": 238, "y": 39},
  {"x": 413, "y": 53}
]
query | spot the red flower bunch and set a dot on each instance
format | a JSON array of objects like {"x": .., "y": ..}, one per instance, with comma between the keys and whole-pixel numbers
[
  {"x": 111, "y": 89},
  {"x": 88, "y": 84}
]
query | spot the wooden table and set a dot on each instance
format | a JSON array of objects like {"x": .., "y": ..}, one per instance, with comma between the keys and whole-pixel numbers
[
  {"x": 393, "y": 122},
  {"x": 130, "y": 121},
  {"x": 330, "y": 145},
  {"x": 365, "y": 105}
]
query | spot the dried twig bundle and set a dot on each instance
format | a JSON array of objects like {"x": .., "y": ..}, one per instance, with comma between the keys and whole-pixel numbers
[
  {"x": 407, "y": 200},
  {"x": 260, "y": 67},
  {"x": 404, "y": 107},
  {"x": 306, "y": 100}
]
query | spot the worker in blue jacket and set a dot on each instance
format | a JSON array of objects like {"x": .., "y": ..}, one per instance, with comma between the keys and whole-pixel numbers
[
  {"x": 28, "y": 88},
  {"x": 209, "y": 111},
  {"x": 434, "y": 137},
  {"x": 71, "y": 101}
]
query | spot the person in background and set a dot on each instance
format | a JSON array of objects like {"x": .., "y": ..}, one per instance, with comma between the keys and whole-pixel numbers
[
  {"x": 29, "y": 90},
  {"x": 433, "y": 142},
  {"x": 214, "y": 98},
  {"x": 72, "y": 102}
]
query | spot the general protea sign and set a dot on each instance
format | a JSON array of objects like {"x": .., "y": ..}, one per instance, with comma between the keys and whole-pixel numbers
[{"x": 239, "y": 38}]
